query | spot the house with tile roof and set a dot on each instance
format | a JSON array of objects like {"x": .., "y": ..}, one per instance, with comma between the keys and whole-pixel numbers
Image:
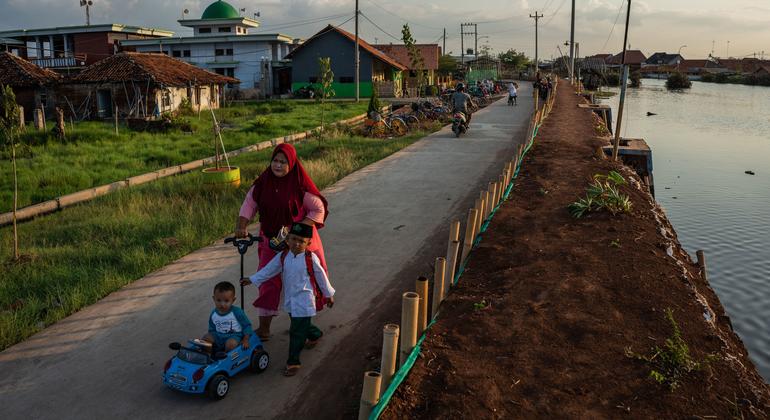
[
  {"x": 634, "y": 59},
  {"x": 339, "y": 45},
  {"x": 32, "y": 85},
  {"x": 429, "y": 53},
  {"x": 140, "y": 85}
]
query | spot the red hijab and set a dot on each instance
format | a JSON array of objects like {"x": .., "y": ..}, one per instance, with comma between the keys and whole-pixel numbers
[{"x": 279, "y": 200}]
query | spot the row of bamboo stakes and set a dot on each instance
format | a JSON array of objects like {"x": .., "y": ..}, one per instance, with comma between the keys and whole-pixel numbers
[
  {"x": 414, "y": 305},
  {"x": 414, "y": 308}
]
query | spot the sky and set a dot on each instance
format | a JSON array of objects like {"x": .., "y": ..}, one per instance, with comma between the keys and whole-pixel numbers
[{"x": 738, "y": 28}]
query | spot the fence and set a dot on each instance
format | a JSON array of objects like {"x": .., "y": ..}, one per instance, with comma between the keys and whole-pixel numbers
[{"x": 380, "y": 386}]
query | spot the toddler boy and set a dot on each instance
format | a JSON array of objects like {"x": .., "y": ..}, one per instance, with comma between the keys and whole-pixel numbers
[{"x": 228, "y": 324}]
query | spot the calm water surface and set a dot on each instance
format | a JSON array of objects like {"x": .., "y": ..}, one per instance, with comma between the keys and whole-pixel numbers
[{"x": 702, "y": 141}]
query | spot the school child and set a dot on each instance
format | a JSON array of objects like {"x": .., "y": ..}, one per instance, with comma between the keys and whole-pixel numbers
[{"x": 306, "y": 289}]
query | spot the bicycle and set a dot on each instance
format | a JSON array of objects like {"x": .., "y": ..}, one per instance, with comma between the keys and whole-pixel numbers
[{"x": 381, "y": 125}]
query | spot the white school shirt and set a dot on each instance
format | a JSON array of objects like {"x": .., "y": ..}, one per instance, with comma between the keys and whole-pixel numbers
[
  {"x": 298, "y": 292},
  {"x": 511, "y": 89}
]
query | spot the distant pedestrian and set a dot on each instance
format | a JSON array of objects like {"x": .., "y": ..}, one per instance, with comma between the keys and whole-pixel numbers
[
  {"x": 306, "y": 290},
  {"x": 512, "y": 94}
]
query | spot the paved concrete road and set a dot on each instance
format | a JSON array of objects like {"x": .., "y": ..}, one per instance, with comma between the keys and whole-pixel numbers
[{"x": 106, "y": 360}]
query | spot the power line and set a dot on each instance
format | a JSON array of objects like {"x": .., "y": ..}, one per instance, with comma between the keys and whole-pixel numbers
[
  {"x": 401, "y": 18},
  {"x": 620, "y": 9},
  {"x": 555, "y": 13},
  {"x": 378, "y": 27}
]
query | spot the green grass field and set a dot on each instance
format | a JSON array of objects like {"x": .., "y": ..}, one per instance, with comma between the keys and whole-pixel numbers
[
  {"x": 75, "y": 257},
  {"x": 93, "y": 155}
]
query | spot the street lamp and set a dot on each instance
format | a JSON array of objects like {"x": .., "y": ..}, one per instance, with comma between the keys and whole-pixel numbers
[{"x": 679, "y": 53}]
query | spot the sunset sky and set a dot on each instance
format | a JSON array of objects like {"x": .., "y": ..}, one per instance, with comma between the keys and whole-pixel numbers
[{"x": 656, "y": 25}]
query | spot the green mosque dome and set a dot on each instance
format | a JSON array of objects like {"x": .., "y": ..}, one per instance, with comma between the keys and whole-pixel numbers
[{"x": 220, "y": 10}]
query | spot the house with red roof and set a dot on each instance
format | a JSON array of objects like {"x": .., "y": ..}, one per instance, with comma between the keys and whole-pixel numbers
[
  {"x": 376, "y": 67},
  {"x": 429, "y": 53},
  {"x": 634, "y": 59},
  {"x": 32, "y": 85}
]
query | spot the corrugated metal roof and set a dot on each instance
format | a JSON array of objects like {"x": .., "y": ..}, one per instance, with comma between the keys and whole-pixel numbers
[
  {"x": 16, "y": 71},
  {"x": 399, "y": 52},
  {"x": 158, "y": 68}
]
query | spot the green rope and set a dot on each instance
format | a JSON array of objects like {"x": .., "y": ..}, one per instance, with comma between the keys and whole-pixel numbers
[{"x": 407, "y": 366}]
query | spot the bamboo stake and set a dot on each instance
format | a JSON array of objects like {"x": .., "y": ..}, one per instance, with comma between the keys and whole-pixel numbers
[
  {"x": 492, "y": 195},
  {"x": 409, "y": 308},
  {"x": 470, "y": 228},
  {"x": 501, "y": 183},
  {"x": 479, "y": 206},
  {"x": 487, "y": 205},
  {"x": 702, "y": 263},
  {"x": 439, "y": 271},
  {"x": 421, "y": 285},
  {"x": 116, "y": 120},
  {"x": 370, "y": 394},
  {"x": 389, "y": 354},
  {"x": 451, "y": 266}
]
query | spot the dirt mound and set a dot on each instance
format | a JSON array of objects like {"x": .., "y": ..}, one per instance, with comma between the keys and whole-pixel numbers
[{"x": 553, "y": 314}]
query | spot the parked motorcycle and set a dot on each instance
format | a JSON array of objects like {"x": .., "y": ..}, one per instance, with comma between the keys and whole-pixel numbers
[{"x": 459, "y": 123}]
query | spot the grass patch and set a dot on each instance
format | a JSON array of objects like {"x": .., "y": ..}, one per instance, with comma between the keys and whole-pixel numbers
[
  {"x": 673, "y": 362},
  {"x": 79, "y": 255},
  {"x": 93, "y": 155},
  {"x": 603, "y": 193}
]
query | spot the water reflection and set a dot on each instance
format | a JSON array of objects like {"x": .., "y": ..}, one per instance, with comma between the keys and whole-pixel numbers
[{"x": 702, "y": 141}]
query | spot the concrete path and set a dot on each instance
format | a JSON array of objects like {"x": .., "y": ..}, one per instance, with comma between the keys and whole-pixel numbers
[{"x": 106, "y": 360}]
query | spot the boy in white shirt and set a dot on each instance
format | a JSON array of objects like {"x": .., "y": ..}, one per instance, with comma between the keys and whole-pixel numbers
[{"x": 306, "y": 290}]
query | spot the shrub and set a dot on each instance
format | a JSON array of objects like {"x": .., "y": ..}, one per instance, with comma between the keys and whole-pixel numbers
[
  {"x": 185, "y": 108},
  {"x": 672, "y": 362},
  {"x": 636, "y": 79},
  {"x": 678, "y": 80},
  {"x": 612, "y": 79},
  {"x": 603, "y": 193},
  {"x": 374, "y": 102},
  {"x": 258, "y": 123}
]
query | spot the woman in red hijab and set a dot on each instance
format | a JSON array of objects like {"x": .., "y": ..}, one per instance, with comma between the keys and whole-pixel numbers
[{"x": 282, "y": 194}]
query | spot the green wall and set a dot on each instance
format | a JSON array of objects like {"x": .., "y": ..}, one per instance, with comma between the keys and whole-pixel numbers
[{"x": 341, "y": 90}]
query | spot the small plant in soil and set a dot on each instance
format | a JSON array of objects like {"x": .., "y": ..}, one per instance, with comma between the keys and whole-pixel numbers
[
  {"x": 603, "y": 193},
  {"x": 615, "y": 243},
  {"x": 673, "y": 362},
  {"x": 543, "y": 192},
  {"x": 477, "y": 306}
]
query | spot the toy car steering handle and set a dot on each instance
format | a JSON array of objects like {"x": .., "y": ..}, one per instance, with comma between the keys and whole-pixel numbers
[{"x": 243, "y": 244}]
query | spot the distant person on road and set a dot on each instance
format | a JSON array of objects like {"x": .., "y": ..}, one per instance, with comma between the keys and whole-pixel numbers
[
  {"x": 462, "y": 102},
  {"x": 512, "y": 94},
  {"x": 307, "y": 290},
  {"x": 282, "y": 195},
  {"x": 228, "y": 324}
]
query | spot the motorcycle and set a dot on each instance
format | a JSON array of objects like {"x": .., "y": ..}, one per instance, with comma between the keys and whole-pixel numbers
[{"x": 459, "y": 123}]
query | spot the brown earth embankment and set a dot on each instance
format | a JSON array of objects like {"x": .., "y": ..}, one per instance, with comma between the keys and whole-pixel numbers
[{"x": 551, "y": 310}]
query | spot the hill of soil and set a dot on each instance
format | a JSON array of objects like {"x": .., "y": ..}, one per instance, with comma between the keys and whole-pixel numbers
[{"x": 553, "y": 314}]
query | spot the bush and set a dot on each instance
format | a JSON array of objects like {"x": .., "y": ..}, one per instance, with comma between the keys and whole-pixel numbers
[
  {"x": 636, "y": 79},
  {"x": 185, "y": 108},
  {"x": 374, "y": 103},
  {"x": 678, "y": 81},
  {"x": 612, "y": 79},
  {"x": 259, "y": 122}
]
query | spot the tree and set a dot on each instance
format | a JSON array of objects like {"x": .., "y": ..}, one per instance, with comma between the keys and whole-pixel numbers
[
  {"x": 446, "y": 65},
  {"x": 374, "y": 103},
  {"x": 327, "y": 78},
  {"x": 513, "y": 58},
  {"x": 418, "y": 64},
  {"x": 9, "y": 125}
]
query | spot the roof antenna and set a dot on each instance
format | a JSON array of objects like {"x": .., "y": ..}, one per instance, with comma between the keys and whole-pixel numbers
[{"x": 87, "y": 4}]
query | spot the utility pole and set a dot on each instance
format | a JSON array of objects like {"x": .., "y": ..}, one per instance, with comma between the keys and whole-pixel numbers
[
  {"x": 536, "y": 17},
  {"x": 358, "y": 63},
  {"x": 443, "y": 50},
  {"x": 623, "y": 83},
  {"x": 728, "y": 49},
  {"x": 712, "y": 48},
  {"x": 572, "y": 46},
  {"x": 476, "y": 42},
  {"x": 462, "y": 39}
]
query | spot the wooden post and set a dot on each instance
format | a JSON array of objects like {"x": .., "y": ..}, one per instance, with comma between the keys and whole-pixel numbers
[
  {"x": 116, "y": 120},
  {"x": 409, "y": 308},
  {"x": 479, "y": 206},
  {"x": 60, "y": 128},
  {"x": 21, "y": 118},
  {"x": 470, "y": 228},
  {"x": 421, "y": 285},
  {"x": 389, "y": 353},
  {"x": 492, "y": 196},
  {"x": 487, "y": 204},
  {"x": 37, "y": 118},
  {"x": 702, "y": 263},
  {"x": 370, "y": 394},
  {"x": 501, "y": 183},
  {"x": 439, "y": 270},
  {"x": 451, "y": 253},
  {"x": 45, "y": 125}
]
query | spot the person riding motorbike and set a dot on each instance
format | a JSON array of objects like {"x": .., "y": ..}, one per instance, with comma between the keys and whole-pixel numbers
[{"x": 462, "y": 102}]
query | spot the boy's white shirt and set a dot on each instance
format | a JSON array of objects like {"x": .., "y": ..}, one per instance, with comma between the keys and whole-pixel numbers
[
  {"x": 298, "y": 292},
  {"x": 226, "y": 324}
]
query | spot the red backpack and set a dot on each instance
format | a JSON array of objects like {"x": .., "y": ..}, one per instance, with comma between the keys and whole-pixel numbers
[{"x": 320, "y": 300}]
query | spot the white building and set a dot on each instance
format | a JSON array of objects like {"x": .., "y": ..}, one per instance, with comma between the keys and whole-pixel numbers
[{"x": 221, "y": 43}]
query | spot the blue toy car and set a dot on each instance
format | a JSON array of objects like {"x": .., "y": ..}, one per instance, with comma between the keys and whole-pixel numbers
[{"x": 195, "y": 371}]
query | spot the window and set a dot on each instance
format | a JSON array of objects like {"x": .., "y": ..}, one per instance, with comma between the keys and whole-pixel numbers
[
  {"x": 229, "y": 51},
  {"x": 312, "y": 79},
  {"x": 219, "y": 71},
  {"x": 346, "y": 79},
  {"x": 185, "y": 53},
  {"x": 230, "y": 72},
  {"x": 166, "y": 99},
  {"x": 177, "y": 53},
  {"x": 225, "y": 29},
  {"x": 218, "y": 52},
  {"x": 204, "y": 30}
]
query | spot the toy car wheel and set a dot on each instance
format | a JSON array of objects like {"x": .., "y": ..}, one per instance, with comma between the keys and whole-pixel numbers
[
  {"x": 218, "y": 387},
  {"x": 259, "y": 361}
]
